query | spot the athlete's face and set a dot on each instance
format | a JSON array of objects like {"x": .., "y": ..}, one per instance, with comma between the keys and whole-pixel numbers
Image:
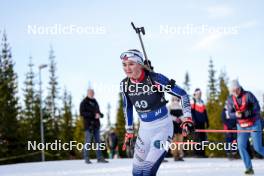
[{"x": 132, "y": 69}]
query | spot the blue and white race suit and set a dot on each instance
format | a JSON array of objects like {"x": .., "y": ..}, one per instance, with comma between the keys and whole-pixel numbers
[{"x": 156, "y": 125}]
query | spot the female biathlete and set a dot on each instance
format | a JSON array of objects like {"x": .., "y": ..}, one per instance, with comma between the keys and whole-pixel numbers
[{"x": 145, "y": 90}]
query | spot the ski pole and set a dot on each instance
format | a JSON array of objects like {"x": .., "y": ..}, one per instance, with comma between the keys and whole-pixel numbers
[
  {"x": 225, "y": 131},
  {"x": 140, "y": 30}
]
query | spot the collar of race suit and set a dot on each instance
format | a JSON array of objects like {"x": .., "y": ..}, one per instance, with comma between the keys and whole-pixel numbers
[{"x": 141, "y": 77}]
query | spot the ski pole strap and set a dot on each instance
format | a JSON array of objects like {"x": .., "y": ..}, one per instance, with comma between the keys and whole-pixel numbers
[{"x": 225, "y": 131}]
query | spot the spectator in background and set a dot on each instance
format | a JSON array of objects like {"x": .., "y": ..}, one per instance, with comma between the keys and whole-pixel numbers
[
  {"x": 243, "y": 106},
  {"x": 229, "y": 124},
  {"x": 89, "y": 110},
  {"x": 175, "y": 110},
  {"x": 200, "y": 119}
]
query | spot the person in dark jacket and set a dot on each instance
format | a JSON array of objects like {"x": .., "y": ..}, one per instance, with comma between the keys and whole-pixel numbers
[
  {"x": 244, "y": 107},
  {"x": 200, "y": 119},
  {"x": 89, "y": 110},
  {"x": 229, "y": 124}
]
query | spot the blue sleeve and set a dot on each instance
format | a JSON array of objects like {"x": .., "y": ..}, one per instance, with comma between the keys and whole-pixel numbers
[
  {"x": 230, "y": 108},
  {"x": 253, "y": 100},
  {"x": 128, "y": 111},
  {"x": 223, "y": 116},
  {"x": 175, "y": 91}
]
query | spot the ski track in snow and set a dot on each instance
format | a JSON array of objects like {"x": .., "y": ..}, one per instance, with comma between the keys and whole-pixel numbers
[{"x": 123, "y": 167}]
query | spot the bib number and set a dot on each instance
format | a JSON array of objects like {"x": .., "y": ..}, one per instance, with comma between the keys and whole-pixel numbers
[{"x": 141, "y": 104}]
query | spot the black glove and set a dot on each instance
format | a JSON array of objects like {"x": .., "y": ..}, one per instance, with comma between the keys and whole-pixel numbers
[
  {"x": 187, "y": 127},
  {"x": 148, "y": 64},
  {"x": 101, "y": 115}
]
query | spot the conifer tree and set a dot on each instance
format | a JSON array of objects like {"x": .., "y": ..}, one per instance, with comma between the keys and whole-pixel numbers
[
  {"x": 120, "y": 126},
  {"x": 29, "y": 100},
  {"x": 66, "y": 125},
  {"x": 51, "y": 110},
  {"x": 9, "y": 107},
  {"x": 212, "y": 84}
]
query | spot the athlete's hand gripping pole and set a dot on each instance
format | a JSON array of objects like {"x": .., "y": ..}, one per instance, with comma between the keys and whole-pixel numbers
[
  {"x": 129, "y": 137},
  {"x": 187, "y": 127}
]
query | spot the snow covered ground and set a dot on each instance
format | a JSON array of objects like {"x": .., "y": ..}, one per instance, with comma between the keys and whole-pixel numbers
[{"x": 122, "y": 167}]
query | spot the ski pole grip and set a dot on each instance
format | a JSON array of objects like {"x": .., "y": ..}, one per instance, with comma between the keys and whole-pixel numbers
[{"x": 133, "y": 26}]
